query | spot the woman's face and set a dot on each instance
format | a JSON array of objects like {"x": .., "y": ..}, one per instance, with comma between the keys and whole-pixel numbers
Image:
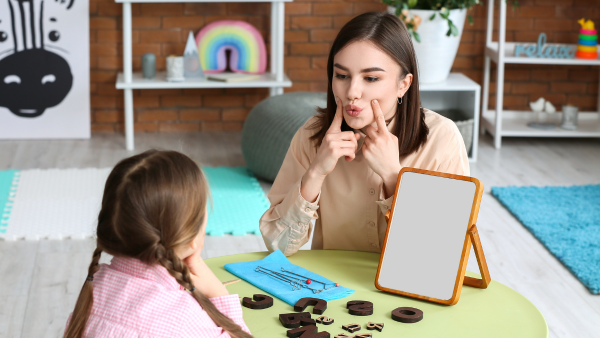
[{"x": 362, "y": 73}]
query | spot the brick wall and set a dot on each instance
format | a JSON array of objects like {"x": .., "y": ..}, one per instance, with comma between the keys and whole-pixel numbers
[{"x": 311, "y": 26}]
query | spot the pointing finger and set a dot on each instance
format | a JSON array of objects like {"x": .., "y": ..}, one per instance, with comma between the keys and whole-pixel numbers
[
  {"x": 336, "y": 124},
  {"x": 381, "y": 127}
]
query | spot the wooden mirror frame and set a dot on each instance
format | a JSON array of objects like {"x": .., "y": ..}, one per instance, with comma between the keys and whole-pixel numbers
[{"x": 471, "y": 238}]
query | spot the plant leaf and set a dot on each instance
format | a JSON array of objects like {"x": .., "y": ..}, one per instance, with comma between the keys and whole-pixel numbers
[
  {"x": 412, "y": 3},
  {"x": 453, "y": 29},
  {"x": 417, "y": 36},
  {"x": 432, "y": 17}
]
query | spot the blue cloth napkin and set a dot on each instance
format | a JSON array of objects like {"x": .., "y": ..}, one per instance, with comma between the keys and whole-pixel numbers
[{"x": 279, "y": 288}]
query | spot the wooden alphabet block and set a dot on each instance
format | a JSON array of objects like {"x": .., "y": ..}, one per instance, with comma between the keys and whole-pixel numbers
[
  {"x": 320, "y": 305},
  {"x": 375, "y": 326},
  {"x": 351, "y": 327},
  {"x": 360, "y": 307},
  {"x": 407, "y": 315},
  {"x": 307, "y": 332},
  {"x": 342, "y": 335},
  {"x": 307, "y": 321},
  {"x": 325, "y": 320},
  {"x": 260, "y": 302},
  {"x": 364, "y": 335},
  {"x": 292, "y": 320}
]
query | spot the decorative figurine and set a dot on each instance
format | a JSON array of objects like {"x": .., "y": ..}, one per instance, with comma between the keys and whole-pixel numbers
[
  {"x": 148, "y": 66},
  {"x": 569, "y": 117},
  {"x": 175, "y": 68},
  {"x": 191, "y": 59}
]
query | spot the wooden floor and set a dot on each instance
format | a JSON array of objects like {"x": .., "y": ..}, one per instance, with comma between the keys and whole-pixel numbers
[{"x": 40, "y": 281}]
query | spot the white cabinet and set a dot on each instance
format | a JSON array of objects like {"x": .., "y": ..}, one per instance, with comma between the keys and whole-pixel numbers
[
  {"x": 457, "y": 92},
  {"x": 276, "y": 80},
  {"x": 501, "y": 123}
]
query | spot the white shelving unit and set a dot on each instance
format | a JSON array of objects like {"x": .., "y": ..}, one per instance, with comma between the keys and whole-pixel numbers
[
  {"x": 457, "y": 92},
  {"x": 276, "y": 80},
  {"x": 514, "y": 123}
]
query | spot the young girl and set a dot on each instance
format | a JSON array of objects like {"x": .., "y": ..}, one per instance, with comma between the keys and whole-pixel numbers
[
  {"x": 375, "y": 122},
  {"x": 152, "y": 221}
]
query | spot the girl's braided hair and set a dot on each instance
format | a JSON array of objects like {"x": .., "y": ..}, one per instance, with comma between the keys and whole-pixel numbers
[{"x": 152, "y": 203}]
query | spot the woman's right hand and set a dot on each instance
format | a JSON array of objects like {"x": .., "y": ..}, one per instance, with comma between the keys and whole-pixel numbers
[{"x": 336, "y": 143}]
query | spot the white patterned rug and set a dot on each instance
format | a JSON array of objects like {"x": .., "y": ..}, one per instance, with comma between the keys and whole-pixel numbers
[{"x": 52, "y": 203}]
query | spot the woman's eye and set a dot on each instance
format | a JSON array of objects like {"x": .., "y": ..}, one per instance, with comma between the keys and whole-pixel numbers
[
  {"x": 340, "y": 76},
  {"x": 372, "y": 79}
]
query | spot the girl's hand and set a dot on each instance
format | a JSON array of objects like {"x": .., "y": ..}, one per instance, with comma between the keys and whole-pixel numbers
[
  {"x": 336, "y": 143},
  {"x": 203, "y": 278},
  {"x": 381, "y": 151}
]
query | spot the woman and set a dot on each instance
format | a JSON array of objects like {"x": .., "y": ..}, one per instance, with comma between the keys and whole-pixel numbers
[{"x": 374, "y": 120}]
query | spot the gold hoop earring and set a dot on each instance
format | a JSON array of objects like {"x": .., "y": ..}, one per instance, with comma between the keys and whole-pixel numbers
[{"x": 400, "y": 101}]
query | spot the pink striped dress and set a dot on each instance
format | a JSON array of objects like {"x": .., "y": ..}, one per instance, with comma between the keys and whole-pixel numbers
[{"x": 132, "y": 299}]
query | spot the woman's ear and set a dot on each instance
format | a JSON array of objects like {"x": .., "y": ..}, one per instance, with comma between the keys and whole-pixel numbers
[{"x": 404, "y": 84}]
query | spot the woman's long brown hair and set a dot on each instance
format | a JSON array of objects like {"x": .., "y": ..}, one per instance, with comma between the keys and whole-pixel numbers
[
  {"x": 389, "y": 34},
  {"x": 153, "y": 202}
]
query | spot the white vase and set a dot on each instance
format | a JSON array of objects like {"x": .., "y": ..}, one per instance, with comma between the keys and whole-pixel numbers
[{"x": 436, "y": 51}]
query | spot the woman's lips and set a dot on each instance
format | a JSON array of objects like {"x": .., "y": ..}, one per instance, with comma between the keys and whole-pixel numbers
[{"x": 353, "y": 110}]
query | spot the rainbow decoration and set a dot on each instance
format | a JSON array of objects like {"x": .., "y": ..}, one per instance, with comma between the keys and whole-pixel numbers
[
  {"x": 588, "y": 40},
  {"x": 248, "y": 52}
]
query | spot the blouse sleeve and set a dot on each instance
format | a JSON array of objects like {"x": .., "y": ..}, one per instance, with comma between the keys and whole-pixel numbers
[
  {"x": 456, "y": 158},
  {"x": 286, "y": 225}
]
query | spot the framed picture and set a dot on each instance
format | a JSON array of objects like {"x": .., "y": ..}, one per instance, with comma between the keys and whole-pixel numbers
[{"x": 44, "y": 69}]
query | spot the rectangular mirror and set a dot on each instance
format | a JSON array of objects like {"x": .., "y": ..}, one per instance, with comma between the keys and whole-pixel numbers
[{"x": 427, "y": 243}]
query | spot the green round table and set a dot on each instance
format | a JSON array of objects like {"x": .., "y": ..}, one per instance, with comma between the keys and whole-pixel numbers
[{"x": 497, "y": 311}]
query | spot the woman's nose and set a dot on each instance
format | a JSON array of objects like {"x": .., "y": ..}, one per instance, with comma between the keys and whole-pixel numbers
[{"x": 354, "y": 91}]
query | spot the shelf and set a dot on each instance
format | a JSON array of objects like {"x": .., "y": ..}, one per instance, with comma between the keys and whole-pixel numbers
[
  {"x": 171, "y": 1},
  {"x": 266, "y": 80},
  {"x": 514, "y": 123},
  {"x": 509, "y": 51},
  {"x": 454, "y": 82}
]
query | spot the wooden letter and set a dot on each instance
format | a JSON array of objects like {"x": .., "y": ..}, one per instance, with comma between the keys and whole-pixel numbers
[
  {"x": 351, "y": 327},
  {"x": 325, "y": 320},
  {"x": 307, "y": 321},
  {"x": 292, "y": 320},
  {"x": 307, "y": 332},
  {"x": 360, "y": 308},
  {"x": 343, "y": 335},
  {"x": 364, "y": 335},
  {"x": 407, "y": 315},
  {"x": 260, "y": 302},
  {"x": 375, "y": 326},
  {"x": 320, "y": 305}
]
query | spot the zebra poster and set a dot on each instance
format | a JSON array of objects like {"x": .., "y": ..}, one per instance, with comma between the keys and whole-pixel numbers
[{"x": 44, "y": 69}]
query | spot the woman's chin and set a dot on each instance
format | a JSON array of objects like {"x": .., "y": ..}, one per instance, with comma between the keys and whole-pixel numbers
[{"x": 356, "y": 123}]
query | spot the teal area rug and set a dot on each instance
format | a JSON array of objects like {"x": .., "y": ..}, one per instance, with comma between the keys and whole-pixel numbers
[
  {"x": 238, "y": 201},
  {"x": 566, "y": 220},
  {"x": 7, "y": 188}
]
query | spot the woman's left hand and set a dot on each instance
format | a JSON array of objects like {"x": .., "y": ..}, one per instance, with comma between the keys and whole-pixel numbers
[{"x": 381, "y": 152}]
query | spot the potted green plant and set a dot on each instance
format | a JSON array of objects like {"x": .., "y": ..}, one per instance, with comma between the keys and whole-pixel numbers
[{"x": 436, "y": 27}]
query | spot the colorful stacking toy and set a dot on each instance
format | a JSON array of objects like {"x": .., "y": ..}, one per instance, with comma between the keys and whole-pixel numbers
[{"x": 588, "y": 40}]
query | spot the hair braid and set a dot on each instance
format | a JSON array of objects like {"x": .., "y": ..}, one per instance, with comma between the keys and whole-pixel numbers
[
  {"x": 181, "y": 273},
  {"x": 85, "y": 301}
]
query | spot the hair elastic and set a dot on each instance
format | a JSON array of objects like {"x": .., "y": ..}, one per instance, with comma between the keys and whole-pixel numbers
[
  {"x": 193, "y": 288},
  {"x": 89, "y": 278}
]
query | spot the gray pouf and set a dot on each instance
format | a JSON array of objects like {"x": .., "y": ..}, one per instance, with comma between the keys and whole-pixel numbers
[{"x": 270, "y": 127}]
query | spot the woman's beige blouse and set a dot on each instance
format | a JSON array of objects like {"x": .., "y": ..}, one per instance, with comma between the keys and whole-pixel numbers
[{"x": 350, "y": 209}]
